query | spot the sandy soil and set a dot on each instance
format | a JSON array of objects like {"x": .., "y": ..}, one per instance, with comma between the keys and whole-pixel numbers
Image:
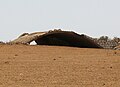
[{"x": 54, "y": 66}]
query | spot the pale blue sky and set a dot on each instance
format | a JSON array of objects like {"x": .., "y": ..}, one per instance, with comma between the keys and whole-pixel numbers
[{"x": 91, "y": 17}]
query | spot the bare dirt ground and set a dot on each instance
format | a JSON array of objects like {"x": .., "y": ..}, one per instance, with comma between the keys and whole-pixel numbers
[{"x": 54, "y": 66}]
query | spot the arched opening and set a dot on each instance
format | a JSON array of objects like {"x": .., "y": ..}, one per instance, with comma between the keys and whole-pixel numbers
[{"x": 66, "y": 39}]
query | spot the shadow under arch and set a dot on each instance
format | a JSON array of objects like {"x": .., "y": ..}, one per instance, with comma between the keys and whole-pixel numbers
[{"x": 64, "y": 38}]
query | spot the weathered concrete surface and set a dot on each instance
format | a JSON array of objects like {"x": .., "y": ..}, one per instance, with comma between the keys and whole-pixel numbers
[{"x": 26, "y": 38}]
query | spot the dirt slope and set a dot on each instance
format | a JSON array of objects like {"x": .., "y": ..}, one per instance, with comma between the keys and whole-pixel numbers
[{"x": 53, "y": 66}]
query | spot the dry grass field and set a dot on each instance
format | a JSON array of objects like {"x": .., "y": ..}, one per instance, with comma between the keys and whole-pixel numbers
[{"x": 58, "y": 66}]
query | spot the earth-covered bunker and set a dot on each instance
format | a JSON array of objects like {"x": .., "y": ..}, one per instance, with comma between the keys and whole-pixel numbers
[{"x": 57, "y": 38}]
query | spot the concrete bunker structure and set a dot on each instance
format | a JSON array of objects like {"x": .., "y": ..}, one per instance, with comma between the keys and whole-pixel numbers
[{"x": 57, "y": 38}]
